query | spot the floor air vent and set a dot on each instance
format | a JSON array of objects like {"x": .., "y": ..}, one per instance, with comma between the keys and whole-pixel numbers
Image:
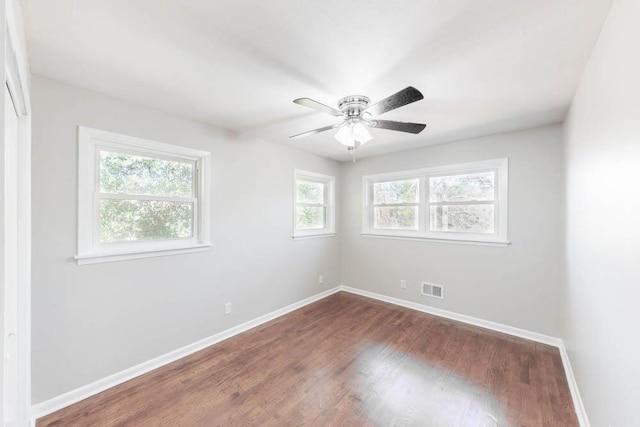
[{"x": 432, "y": 290}]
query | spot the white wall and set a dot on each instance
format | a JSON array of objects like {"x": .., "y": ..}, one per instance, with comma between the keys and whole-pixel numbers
[
  {"x": 519, "y": 285},
  {"x": 94, "y": 320},
  {"x": 603, "y": 227}
]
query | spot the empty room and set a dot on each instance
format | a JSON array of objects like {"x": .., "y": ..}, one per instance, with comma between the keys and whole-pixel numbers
[{"x": 320, "y": 213}]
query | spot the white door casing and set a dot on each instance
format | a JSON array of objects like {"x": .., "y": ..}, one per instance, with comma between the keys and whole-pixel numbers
[
  {"x": 10, "y": 278},
  {"x": 15, "y": 217}
]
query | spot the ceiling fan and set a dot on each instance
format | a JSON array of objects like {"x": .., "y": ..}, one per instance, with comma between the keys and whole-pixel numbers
[{"x": 358, "y": 115}]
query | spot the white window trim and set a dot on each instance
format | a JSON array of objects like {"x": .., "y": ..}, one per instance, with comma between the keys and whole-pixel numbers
[
  {"x": 499, "y": 238},
  {"x": 330, "y": 227},
  {"x": 89, "y": 250}
]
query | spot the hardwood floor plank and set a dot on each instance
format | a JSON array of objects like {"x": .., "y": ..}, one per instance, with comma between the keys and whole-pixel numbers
[{"x": 345, "y": 360}]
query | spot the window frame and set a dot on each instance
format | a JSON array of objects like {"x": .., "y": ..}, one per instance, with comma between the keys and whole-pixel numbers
[
  {"x": 329, "y": 182},
  {"x": 498, "y": 238},
  {"x": 90, "y": 250}
]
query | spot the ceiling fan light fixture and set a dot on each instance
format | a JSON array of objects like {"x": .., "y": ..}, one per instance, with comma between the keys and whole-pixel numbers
[
  {"x": 345, "y": 135},
  {"x": 361, "y": 134},
  {"x": 352, "y": 133}
]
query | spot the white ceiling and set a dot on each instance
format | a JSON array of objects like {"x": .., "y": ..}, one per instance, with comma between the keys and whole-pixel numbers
[{"x": 484, "y": 66}]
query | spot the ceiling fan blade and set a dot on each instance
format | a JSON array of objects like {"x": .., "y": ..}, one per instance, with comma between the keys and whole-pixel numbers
[
  {"x": 310, "y": 103},
  {"x": 311, "y": 132},
  {"x": 399, "y": 126},
  {"x": 397, "y": 100}
]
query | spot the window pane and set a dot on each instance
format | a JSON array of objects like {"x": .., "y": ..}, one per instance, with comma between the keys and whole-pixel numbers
[
  {"x": 132, "y": 220},
  {"x": 405, "y": 191},
  {"x": 131, "y": 174},
  {"x": 462, "y": 218},
  {"x": 310, "y": 217},
  {"x": 310, "y": 192},
  {"x": 475, "y": 187},
  {"x": 395, "y": 217}
]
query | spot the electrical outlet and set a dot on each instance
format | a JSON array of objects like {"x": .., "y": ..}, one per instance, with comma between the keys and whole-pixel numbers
[
  {"x": 403, "y": 284},
  {"x": 227, "y": 308},
  {"x": 320, "y": 279}
]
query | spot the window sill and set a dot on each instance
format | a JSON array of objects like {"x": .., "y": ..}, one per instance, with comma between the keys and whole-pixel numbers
[
  {"x": 313, "y": 236},
  {"x": 495, "y": 243},
  {"x": 123, "y": 256}
]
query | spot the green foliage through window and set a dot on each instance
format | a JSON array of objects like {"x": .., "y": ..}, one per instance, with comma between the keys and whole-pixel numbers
[
  {"x": 405, "y": 191},
  {"x": 131, "y": 174},
  {"x": 463, "y": 218},
  {"x": 311, "y": 211},
  {"x": 476, "y": 187},
  {"x": 395, "y": 217},
  {"x": 133, "y": 220},
  {"x": 310, "y": 217},
  {"x": 139, "y": 178},
  {"x": 310, "y": 192}
]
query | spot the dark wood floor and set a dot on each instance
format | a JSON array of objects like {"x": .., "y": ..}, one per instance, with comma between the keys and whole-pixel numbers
[{"x": 345, "y": 361}]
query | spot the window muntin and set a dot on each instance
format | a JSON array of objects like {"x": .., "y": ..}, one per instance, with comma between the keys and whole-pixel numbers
[
  {"x": 313, "y": 200},
  {"x": 139, "y": 198},
  {"x": 464, "y": 202}
]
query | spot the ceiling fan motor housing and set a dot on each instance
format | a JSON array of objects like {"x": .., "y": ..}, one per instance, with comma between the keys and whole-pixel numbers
[{"x": 354, "y": 105}]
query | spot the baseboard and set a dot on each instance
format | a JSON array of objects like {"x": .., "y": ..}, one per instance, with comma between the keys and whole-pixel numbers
[
  {"x": 499, "y": 327},
  {"x": 69, "y": 398},
  {"x": 510, "y": 330},
  {"x": 573, "y": 387}
]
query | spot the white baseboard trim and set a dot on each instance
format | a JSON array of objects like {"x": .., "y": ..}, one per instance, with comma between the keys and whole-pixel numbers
[
  {"x": 69, "y": 398},
  {"x": 573, "y": 387},
  {"x": 510, "y": 330},
  {"x": 499, "y": 327}
]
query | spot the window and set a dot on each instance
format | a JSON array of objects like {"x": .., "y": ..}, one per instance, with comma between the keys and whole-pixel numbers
[
  {"x": 139, "y": 198},
  {"x": 314, "y": 210},
  {"x": 465, "y": 203},
  {"x": 395, "y": 204}
]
